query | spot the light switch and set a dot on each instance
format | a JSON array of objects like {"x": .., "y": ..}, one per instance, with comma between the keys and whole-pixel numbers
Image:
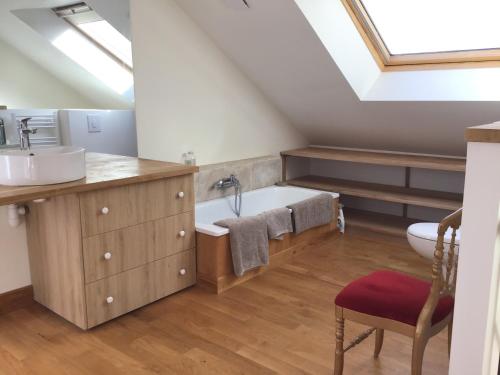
[{"x": 94, "y": 123}]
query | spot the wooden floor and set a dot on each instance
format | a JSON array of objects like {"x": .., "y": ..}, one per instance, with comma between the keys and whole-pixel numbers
[{"x": 280, "y": 322}]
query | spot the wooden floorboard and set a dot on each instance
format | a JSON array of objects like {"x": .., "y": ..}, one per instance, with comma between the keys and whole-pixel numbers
[{"x": 280, "y": 322}]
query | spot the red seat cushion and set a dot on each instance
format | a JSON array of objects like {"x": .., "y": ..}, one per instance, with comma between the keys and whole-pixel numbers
[{"x": 391, "y": 295}]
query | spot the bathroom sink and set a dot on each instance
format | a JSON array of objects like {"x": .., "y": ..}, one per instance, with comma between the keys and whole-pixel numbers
[{"x": 44, "y": 166}]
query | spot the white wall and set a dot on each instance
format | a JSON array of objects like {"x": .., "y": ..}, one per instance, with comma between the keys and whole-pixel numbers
[
  {"x": 31, "y": 44},
  {"x": 117, "y": 135},
  {"x": 475, "y": 344},
  {"x": 290, "y": 64},
  {"x": 190, "y": 96},
  {"x": 48, "y": 27},
  {"x": 24, "y": 84},
  {"x": 14, "y": 265}
]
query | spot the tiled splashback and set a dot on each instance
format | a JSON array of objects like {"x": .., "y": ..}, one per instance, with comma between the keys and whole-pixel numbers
[{"x": 253, "y": 174}]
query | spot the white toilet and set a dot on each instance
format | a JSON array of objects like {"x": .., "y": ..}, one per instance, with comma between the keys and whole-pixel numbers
[{"x": 423, "y": 236}]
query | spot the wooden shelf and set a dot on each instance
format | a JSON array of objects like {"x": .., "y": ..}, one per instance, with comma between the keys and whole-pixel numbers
[
  {"x": 388, "y": 193},
  {"x": 484, "y": 133},
  {"x": 441, "y": 163},
  {"x": 405, "y": 195},
  {"x": 377, "y": 222}
]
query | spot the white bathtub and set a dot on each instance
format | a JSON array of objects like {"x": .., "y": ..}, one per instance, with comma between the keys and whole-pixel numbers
[{"x": 253, "y": 203}]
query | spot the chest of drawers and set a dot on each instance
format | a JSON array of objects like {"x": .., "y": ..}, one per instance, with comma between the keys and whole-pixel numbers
[{"x": 96, "y": 255}]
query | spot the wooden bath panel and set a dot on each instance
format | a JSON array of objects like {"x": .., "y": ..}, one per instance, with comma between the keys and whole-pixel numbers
[{"x": 215, "y": 265}]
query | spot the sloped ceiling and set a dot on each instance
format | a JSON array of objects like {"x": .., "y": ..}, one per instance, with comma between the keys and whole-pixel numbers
[
  {"x": 275, "y": 46},
  {"x": 32, "y": 45}
]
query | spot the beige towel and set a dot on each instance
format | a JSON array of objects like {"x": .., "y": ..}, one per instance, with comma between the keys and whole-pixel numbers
[
  {"x": 249, "y": 242},
  {"x": 312, "y": 212},
  {"x": 279, "y": 222}
]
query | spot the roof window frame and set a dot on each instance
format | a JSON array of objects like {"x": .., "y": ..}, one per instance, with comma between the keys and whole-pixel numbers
[
  {"x": 81, "y": 10},
  {"x": 414, "y": 61}
]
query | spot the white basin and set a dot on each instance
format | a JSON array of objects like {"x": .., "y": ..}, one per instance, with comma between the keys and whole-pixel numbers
[{"x": 44, "y": 166}]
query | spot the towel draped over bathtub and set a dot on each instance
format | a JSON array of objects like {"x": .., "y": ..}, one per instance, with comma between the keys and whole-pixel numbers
[
  {"x": 312, "y": 212},
  {"x": 249, "y": 242},
  {"x": 279, "y": 222}
]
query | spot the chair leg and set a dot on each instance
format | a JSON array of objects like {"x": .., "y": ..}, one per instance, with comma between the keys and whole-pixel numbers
[
  {"x": 419, "y": 344},
  {"x": 339, "y": 349},
  {"x": 450, "y": 330},
  {"x": 379, "y": 340}
]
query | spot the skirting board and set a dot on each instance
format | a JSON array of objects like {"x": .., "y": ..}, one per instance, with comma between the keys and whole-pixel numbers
[{"x": 16, "y": 299}]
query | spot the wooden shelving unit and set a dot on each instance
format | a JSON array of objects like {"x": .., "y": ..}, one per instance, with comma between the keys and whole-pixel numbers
[
  {"x": 441, "y": 163},
  {"x": 387, "y": 193},
  {"x": 405, "y": 195}
]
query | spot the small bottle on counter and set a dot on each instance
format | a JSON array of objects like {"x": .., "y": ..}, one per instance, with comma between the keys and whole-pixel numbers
[{"x": 189, "y": 158}]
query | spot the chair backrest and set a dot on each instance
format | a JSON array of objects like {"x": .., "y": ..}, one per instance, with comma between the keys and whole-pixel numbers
[{"x": 444, "y": 269}]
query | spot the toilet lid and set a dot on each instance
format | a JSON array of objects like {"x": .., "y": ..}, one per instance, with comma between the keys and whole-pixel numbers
[{"x": 428, "y": 231}]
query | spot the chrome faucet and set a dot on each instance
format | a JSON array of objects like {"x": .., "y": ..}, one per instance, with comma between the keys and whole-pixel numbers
[
  {"x": 24, "y": 133},
  {"x": 228, "y": 182}
]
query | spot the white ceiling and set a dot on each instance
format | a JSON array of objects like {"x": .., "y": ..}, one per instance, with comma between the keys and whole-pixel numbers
[
  {"x": 34, "y": 46},
  {"x": 275, "y": 46}
]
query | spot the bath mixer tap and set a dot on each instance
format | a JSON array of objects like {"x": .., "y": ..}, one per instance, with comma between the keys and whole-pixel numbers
[
  {"x": 228, "y": 182},
  {"x": 24, "y": 133}
]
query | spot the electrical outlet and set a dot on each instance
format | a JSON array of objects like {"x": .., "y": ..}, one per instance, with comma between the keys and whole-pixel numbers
[{"x": 94, "y": 123}]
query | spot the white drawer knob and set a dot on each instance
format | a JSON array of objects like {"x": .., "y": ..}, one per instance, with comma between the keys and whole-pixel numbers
[
  {"x": 180, "y": 194},
  {"x": 182, "y": 271},
  {"x": 107, "y": 255},
  {"x": 109, "y": 300},
  {"x": 182, "y": 233},
  {"x": 104, "y": 210}
]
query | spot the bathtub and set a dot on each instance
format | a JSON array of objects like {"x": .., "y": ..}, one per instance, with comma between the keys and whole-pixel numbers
[
  {"x": 214, "y": 260},
  {"x": 253, "y": 203}
]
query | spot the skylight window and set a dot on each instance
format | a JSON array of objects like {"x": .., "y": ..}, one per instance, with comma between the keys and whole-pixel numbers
[
  {"x": 105, "y": 34},
  {"x": 412, "y": 32},
  {"x": 96, "y": 62},
  {"x": 97, "y": 46}
]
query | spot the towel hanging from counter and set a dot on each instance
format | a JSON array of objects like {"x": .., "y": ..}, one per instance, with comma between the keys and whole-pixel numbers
[
  {"x": 312, "y": 212},
  {"x": 279, "y": 222},
  {"x": 249, "y": 242}
]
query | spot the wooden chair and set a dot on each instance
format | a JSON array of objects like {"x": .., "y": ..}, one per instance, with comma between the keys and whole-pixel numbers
[{"x": 403, "y": 304}]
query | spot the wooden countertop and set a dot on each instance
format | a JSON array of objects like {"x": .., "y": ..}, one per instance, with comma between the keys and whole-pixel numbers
[
  {"x": 485, "y": 133},
  {"x": 103, "y": 171}
]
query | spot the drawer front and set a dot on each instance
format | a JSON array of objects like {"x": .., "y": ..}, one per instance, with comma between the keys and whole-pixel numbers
[
  {"x": 110, "y": 209},
  {"x": 175, "y": 273},
  {"x": 119, "y": 294},
  {"x": 120, "y": 250},
  {"x": 176, "y": 234}
]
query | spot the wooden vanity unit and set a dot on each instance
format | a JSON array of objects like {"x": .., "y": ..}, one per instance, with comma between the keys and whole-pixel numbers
[{"x": 113, "y": 242}]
